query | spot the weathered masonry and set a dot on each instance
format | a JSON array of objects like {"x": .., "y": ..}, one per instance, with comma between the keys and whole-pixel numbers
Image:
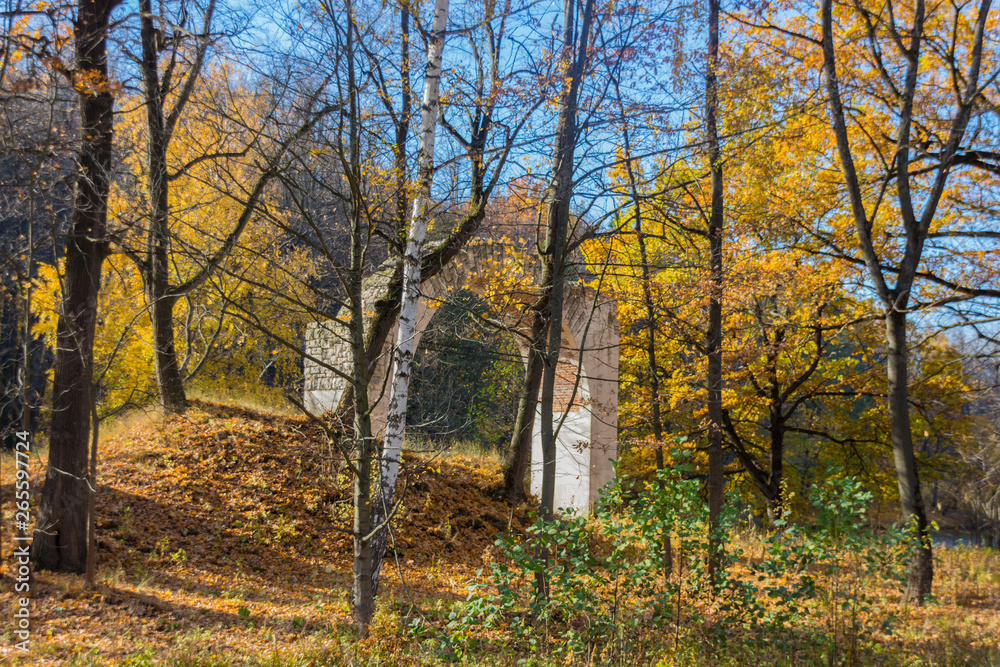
[{"x": 587, "y": 376}]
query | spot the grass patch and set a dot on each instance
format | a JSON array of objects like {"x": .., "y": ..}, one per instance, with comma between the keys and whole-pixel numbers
[{"x": 256, "y": 397}]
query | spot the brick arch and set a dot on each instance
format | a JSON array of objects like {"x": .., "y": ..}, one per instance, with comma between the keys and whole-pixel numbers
[{"x": 588, "y": 437}]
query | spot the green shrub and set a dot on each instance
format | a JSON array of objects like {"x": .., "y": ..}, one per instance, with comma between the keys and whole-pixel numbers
[{"x": 601, "y": 587}]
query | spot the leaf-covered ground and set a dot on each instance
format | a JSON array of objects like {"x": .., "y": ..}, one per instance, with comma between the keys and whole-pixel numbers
[
  {"x": 215, "y": 530},
  {"x": 216, "y": 547}
]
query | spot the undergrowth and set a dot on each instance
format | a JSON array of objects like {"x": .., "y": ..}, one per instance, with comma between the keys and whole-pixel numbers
[{"x": 210, "y": 554}]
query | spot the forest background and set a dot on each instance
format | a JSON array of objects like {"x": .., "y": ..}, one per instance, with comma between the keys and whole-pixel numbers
[{"x": 792, "y": 206}]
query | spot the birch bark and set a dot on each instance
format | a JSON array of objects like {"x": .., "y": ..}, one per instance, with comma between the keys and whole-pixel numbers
[{"x": 406, "y": 330}]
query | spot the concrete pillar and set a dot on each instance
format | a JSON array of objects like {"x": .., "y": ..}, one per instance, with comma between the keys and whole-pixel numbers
[{"x": 588, "y": 437}]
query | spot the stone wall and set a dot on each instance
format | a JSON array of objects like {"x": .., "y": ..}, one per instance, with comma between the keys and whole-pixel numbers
[{"x": 325, "y": 351}]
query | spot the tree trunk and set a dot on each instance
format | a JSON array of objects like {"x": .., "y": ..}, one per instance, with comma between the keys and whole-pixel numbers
[
  {"x": 24, "y": 373},
  {"x": 716, "y": 485},
  {"x": 363, "y": 589},
  {"x": 168, "y": 378},
  {"x": 921, "y": 572},
  {"x": 519, "y": 456},
  {"x": 554, "y": 276},
  {"x": 403, "y": 124},
  {"x": 558, "y": 197},
  {"x": 776, "y": 421},
  {"x": 666, "y": 548},
  {"x": 406, "y": 328},
  {"x": 767, "y": 481},
  {"x": 916, "y": 229},
  {"x": 652, "y": 367},
  {"x": 774, "y": 492},
  {"x": 60, "y": 540},
  {"x": 156, "y": 272},
  {"x": 364, "y": 448}
]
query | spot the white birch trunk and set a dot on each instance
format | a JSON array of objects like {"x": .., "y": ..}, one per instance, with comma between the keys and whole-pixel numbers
[{"x": 406, "y": 329}]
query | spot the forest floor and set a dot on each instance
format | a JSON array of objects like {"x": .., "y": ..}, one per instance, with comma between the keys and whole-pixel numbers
[{"x": 215, "y": 548}]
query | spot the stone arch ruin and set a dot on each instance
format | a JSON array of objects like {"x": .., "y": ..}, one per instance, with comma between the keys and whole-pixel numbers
[{"x": 588, "y": 437}]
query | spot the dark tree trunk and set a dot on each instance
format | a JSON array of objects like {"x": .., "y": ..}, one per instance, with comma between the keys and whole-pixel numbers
[
  {"x": 916, "y": 229},
  {"x": 173, "y": 399},
  {"x": 558, "y": 198},
  {"x": 60, "y": 540},
  {"x": 519, "y": 454},
  {"x": 776, "y": 422},
  {"x": 652, "y": 369},
  {"x": 921, "y": 572},
  {"x": 553, "y": 279},
  {"x": 156, "y": 271},
  {"x": 364, "y": 448},
  {"x": 766, "y": 479},
  {"x": 403, "y": 127},
  {"x": 716, "y": 485},
  {"x": 774, "y": 494}
]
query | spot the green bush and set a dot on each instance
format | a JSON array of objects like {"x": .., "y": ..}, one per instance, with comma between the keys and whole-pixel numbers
[{"x": 601, "y": 587}]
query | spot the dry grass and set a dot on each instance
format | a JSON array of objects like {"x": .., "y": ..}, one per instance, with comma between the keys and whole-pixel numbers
[
  {"x": 212, "y": 551},
  {"x": 256, "y": 397}
]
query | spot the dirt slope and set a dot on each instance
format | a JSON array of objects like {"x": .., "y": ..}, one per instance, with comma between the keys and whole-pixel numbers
[{"x": 222, "y": 521}]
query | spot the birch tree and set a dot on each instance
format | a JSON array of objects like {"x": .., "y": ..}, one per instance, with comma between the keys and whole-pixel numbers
[{"x": 412, "y": 258}]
